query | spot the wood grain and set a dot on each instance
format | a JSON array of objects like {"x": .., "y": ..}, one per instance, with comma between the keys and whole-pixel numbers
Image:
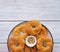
[{"x": 29, "y": 9}]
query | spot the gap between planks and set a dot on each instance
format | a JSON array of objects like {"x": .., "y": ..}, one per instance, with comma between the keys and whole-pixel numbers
[
  {"x": 6, "y": 42},
  {"x": 27, "y": 20}
]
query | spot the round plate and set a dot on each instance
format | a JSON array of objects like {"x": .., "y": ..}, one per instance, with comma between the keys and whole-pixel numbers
[{"x": 49, "y": 33}]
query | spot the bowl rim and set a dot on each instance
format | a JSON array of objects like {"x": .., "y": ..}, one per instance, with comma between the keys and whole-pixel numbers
[
  {"x": 25, "y": 22},
  {"x": 30, "y": 45}
]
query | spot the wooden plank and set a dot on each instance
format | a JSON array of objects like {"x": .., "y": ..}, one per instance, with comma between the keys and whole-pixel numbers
[
  {"x": 5, "y": 28},
  {"x": 7, "y": 9},
  {"x": 3, "y": 48},
  {"x": 28, "y": 9}
]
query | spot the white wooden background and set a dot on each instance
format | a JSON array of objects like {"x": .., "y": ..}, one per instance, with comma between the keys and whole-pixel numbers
[{"x": 13, "y": 12}]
